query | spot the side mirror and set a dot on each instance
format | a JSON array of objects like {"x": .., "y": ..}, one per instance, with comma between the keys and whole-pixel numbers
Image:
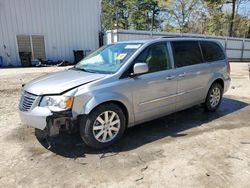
[{"x": 140, "y": 68}]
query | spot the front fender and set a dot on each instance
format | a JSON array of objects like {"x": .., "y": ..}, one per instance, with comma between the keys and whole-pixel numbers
[{"x": 109, "y": 97}]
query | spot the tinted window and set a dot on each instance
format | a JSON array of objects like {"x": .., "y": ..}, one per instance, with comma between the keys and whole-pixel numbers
[
  {"x": 212, "y": 51},
  {"x": 156, "y": 57},
  {"x": 186, "y": 53}
]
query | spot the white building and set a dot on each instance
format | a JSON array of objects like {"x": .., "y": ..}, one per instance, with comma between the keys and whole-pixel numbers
[{"x": 49, "y": 29}]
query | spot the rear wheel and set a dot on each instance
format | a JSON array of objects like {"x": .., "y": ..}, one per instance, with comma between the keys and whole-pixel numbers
[
  {"x": 103, "y": 126},
  {"x": 214, "y": 97}
]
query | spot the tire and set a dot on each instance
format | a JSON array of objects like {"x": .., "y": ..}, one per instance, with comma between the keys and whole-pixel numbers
[
  {"x": 41, "y": 134},
  {"x": 99, "y": 123},
  {"x": 214, "y": 97}
]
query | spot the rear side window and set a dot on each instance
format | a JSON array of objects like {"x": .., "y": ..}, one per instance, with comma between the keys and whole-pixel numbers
[
  {"x": 186, "y": 53},
  {"x": 212, "y": 51}
]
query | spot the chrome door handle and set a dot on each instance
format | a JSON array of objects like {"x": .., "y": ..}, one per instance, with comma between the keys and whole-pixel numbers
[
  {"x": 170, "y": 77},
  {"x": 182, "y": 74}
]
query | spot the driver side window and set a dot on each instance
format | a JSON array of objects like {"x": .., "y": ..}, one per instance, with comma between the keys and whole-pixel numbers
[{"x": 156, "y": 56}]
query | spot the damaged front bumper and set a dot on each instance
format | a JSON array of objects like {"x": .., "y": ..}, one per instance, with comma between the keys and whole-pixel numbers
[
  {"x": 36, "y": 118},
  {"x": 51, "y": 122}
]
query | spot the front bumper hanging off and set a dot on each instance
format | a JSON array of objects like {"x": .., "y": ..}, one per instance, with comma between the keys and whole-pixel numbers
[
  {"x": 36, "y": 118},
  {"x": 51, "y": 122}
]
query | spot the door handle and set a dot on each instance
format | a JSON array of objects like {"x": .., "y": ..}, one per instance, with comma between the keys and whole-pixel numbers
[
  {"x": 170, "y": 77},
  {"x": 182, "y": 74}
]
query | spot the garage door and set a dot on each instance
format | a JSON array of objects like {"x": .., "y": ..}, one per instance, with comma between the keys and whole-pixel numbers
[
  {"x": 38, "y": 47},
  {"x": 32, "y": 43},
  {"x": 24, "y": 43}
]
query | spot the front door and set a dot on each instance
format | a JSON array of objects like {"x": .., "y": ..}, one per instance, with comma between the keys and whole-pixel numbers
[{"x": 154, "y": 93}]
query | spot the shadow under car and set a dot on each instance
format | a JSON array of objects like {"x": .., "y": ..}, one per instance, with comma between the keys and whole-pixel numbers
[{"x": 71, "y": 146}]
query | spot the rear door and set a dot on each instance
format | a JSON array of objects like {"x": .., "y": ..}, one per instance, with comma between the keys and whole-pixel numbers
[{"x": 193, "y": 73}]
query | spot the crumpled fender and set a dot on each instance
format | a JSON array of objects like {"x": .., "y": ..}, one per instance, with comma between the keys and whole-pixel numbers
[{"x": 106, "y": 97}]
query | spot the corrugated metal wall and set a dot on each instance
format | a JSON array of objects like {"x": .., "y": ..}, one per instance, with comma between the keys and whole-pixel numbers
[
  {"x": 237, "y": 48},
  {"x": 67, "y": 25}
]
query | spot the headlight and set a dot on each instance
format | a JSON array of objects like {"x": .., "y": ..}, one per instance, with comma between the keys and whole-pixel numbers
[{"x": 57, "y": 103}]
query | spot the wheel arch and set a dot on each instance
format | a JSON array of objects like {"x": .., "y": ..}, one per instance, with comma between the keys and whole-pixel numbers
[
  {"x": 219, "y": 81},
  {"x": 122, "y": 102},
  {"x": 119, "y": 104}
]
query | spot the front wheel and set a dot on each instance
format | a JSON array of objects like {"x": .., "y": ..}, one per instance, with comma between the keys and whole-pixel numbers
[
  {"x": 214, "y": 97},
  {"x": 103, "y": 126}
]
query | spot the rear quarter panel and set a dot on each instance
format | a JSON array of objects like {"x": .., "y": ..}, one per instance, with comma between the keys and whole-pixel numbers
[{"x": 218, "y": 71}]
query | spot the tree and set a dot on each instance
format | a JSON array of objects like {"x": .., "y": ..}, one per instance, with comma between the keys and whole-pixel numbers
[
  {"x": 233, "y": 2},
  {"x": 181, "y": 12},
  {"x": 241, "y": 26},
  {"x": 115, "y": 14},
  {"x": 130, "y": 14},
  {"x": 234, "y": 11},
  {"x": 145, "y": 14},
  {"x": 217, "y": 22},
  {"x": 248, "y": 33},
  {"x": 189, "y": 16}
]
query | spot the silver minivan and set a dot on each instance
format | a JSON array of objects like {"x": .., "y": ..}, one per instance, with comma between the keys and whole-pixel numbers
[{"x": 124, "y": 84}]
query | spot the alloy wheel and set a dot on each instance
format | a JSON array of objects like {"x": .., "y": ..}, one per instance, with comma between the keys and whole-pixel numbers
[
  {"x": 106, "y": 126},
  {"x": 215, "y": 97}
]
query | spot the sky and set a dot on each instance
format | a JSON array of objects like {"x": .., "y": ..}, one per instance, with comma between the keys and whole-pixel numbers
[{"x": 244, "y": 9}]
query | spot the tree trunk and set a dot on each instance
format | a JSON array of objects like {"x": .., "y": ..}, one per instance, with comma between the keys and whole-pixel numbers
[
  {"x": 153, "y": 19},
  {"x": 232, "y": 18},
  {"x": 248, "y": 33}
]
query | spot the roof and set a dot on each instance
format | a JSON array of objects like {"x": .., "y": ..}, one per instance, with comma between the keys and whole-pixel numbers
[{"x": 167, "y": 39}]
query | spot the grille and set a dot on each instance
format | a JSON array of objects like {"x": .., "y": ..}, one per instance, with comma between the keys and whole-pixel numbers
[{"x": 26, "y": 101}]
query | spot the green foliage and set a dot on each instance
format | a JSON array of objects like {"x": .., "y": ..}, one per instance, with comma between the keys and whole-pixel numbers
[
  {"x": 188, "y": 16},
  {"x": 130, "y": 14},
  {"x": 241, "y": 26},
  {"x": 144, "y": 14},
  {"x": 115, "y": 14},
  {"x": 181, "y": 12}
]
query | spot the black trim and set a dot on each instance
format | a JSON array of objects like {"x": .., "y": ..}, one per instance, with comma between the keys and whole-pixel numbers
[
  {"x": 67, "y": 113},
  {"x": 202, "y": 55},
  {"x": 127, "y": 72}
]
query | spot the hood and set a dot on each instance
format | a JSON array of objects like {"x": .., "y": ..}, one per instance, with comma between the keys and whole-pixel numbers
[{"x": 56, "y": 83}]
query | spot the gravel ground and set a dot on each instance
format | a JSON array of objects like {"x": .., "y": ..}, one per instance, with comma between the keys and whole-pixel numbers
[{"x": 186, "y": 149}]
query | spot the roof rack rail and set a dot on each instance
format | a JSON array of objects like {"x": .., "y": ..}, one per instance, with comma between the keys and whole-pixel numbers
[
  {"x": 169, "y": 37},
  {"x": 181, "y": 36}
]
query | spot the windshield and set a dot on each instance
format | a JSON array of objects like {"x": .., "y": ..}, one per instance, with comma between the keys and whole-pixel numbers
[{"x": 108, "y": 59}]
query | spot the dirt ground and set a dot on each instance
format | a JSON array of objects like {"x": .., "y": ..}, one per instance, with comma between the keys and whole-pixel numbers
[{"x": 191, "y": 148}]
